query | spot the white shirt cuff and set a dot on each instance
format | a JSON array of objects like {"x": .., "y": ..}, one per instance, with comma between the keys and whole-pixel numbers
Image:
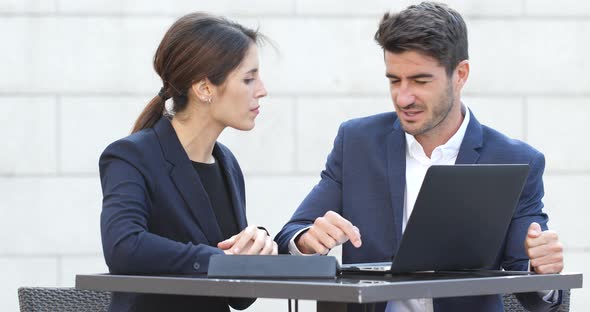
[
  {"x": 293, "y": 247},
  {"x": 549, "y": 296}
]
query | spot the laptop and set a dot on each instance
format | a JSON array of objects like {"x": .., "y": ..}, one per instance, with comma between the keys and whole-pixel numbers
[{"x": 459, "y": 220}]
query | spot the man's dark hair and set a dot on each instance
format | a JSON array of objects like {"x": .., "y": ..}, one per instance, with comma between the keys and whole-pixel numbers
[{"x": 430, "y": 28}]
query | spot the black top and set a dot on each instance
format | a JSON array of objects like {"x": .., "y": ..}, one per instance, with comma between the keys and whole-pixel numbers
[{"x": 216, "y": 187}]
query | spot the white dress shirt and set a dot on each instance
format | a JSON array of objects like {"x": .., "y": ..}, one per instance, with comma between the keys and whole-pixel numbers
[{"x": 417, "y": 163}]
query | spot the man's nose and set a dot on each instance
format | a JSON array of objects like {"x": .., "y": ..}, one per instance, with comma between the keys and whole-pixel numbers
[{"x": 405, "y": 97}]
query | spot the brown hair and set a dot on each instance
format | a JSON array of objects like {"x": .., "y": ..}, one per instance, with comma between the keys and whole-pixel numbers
[
  {"x": 430, "y": 28},
  {"x": 197, "y": 46}
]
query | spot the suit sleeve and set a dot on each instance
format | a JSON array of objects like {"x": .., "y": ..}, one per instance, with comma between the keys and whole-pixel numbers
[
  {"x": 325, "y": 196},
  {"x": 129, "y": 248},
  {"x": 529, "y": 209}
]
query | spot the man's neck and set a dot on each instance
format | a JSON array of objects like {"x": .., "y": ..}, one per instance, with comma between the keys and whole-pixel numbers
[{"x": 442, "y": 132}]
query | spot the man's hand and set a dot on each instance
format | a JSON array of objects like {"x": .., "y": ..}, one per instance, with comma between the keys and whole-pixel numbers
[
  {"x": 544, "y": 250},
  {"x": 251, "y": 241},
  {"x": 326, "y": 233}
]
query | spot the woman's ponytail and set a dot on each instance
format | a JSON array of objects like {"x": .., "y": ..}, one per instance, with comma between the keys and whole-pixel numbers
[{"x": 152, "y": 112}]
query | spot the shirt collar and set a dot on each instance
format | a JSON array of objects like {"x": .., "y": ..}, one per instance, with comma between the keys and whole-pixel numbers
[{"x": 448, "y": 150}]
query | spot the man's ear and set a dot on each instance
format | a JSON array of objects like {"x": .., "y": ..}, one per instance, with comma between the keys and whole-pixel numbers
[
  {"x": 461, "y": 74},
  {"x": 203, "y": 90}
]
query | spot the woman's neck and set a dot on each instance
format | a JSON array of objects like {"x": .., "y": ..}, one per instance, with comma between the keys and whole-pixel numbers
[{"x": 197, "y": 133}]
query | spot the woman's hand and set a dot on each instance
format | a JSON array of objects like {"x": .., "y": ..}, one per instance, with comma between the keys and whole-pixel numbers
[{"x": 251, "y": 241}]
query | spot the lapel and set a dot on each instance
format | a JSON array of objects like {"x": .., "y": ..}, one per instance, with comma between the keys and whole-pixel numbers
[
  {"x": 227, "y": 165},
  {"x": 187, "y": 181},
  {"x": 472, "y": 142},
  {"x": 396, "y": 169}
]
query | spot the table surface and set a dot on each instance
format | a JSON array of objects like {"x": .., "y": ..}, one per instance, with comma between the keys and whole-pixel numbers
[{"x": 349, "y": 288}]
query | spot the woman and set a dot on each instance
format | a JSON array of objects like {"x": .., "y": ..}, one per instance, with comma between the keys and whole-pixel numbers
[{"x": 172, "y": 195}]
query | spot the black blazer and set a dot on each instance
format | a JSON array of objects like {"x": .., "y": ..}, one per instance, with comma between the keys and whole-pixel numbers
[{"x": 157, "y": 218}]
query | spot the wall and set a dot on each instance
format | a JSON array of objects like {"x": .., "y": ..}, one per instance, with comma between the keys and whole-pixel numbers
[{"x": 77, "y": 73}]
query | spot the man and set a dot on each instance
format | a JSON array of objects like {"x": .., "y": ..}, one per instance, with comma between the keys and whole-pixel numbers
[{"x": 377, "y": 164}]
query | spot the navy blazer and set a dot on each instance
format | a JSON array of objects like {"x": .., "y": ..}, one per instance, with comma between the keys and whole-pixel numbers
[
  {"x": 157, "y": 218},
  {"x": 365, "y": 180}
]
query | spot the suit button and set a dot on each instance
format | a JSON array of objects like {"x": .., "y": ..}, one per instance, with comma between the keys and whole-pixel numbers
[{"x": 196, "y": 266}]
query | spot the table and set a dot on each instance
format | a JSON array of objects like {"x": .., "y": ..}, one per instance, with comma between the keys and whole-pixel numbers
[{"x": 334, "y": 294}]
